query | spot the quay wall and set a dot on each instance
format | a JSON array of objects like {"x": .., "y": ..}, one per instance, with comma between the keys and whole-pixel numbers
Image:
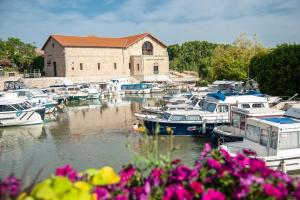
[{"x": 44, "y": 82}]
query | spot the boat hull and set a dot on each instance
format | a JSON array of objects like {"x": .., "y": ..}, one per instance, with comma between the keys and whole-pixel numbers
[
  {"x": 184, "y": 129},
  {"x": 22, "y": 118}
]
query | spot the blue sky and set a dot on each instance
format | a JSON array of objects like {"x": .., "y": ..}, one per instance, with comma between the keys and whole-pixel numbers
[{"x": 172, "y": 21}]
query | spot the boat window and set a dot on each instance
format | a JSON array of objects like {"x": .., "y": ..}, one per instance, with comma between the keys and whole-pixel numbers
[
  {"x": 263, "y": 137},
  {"x": 25, "y": 105},
  {"x": 258, "y": 105},
  {"x": 178, "y": 118},
  {"x": 201, "y": 102},
  {"x": 245, "y": 106},
  {"x": 211, "y": 107},
  {"x": 223, "y": 108},
  {"x": 289, "y": 140},
  {"x": 6, "y": 108},
  {"x": 21, "y": 93},
  {"x": 18, "y": 107},
  {"x": 166, "y": 116},
  {"x": 274, "y": 138},
  {"x": 236, "y": 120},
  {"x": 193, "y": 118},
  {"x": 253, "y": 133}
]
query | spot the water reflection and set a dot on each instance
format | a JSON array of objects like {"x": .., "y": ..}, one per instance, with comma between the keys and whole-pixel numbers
[{"x": 85, "y": 134}]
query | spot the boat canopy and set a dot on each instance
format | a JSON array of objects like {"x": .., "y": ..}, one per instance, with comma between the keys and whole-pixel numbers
[{"x": 281, "y": 120}]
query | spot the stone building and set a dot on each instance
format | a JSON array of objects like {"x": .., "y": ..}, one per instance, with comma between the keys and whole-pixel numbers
[{"x": 141, "y": 56}]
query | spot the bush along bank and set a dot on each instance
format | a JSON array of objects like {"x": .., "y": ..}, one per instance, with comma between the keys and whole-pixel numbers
[{"x": 216, "y": 175}]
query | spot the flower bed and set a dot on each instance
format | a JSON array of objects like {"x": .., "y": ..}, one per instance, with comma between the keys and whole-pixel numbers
[{"x": 215, "y": 175}]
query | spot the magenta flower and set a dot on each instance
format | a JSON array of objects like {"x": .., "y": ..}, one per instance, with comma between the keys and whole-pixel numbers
[
  {"x": 142, "y": 192},
  {"x": 10, "y": 186},
  {"x": 155, "y": 177},
  {"x": 175, "y": 162},
  {"x": 212, "y": 194},
  {"x": 272, "y": 191},
  {"x": 206, "y": 150},
  {"x": 214, "y": 164},
  {"x": 180, "y": 173},
  {"x": 241, "y": 192},
  {"x": 126, "y": 174},
  {"x": 225, "y": 154},
  {"x": 197, "y": 187},
  {"x": 176, "y": 192},
  {"x": 249, "y": 152},
  {"x": 102, "y": 193},
  {"x": 67, "y": 171},
  {"x": 121, "y": 197}
]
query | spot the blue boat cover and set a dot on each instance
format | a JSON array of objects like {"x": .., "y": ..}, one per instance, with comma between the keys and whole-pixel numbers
[
  {"x": 219, "y": 95},
  {"x": 281, "y": 120}
]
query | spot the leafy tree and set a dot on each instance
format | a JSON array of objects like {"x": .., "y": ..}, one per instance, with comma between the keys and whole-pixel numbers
[
  {"x": 38, "y": 63},
  {"x": 278, "y": 70},
  {"x": 193, "y": 55},
  {"x": 232, "y": 62},
  {"x": 17, "y": 52}
]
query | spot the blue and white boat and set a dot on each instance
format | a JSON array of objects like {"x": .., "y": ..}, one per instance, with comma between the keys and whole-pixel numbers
[
  {"x": 139, "y": 88},
  {"x": 239, "y": 116},
  {"x": 215, "y": 111},
  {"x": 273, "y": 139}
]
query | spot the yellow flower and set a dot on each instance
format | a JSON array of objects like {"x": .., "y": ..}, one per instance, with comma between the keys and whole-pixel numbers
[
  {"x": 141, "y": 129},
  {"x": 83, "y": 186},
  {"x": 169, "y": 130},
  {"x": 106, "y": 176}
]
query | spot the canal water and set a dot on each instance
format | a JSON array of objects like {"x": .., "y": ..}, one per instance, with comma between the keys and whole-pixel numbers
[{"x": 84, "y": 134}]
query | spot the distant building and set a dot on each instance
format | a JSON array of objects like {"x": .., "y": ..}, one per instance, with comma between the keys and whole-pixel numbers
[{"x": 142, "y": 56}]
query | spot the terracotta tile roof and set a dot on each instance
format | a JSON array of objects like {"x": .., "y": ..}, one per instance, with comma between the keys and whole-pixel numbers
[{"x": 93, "y": 41}]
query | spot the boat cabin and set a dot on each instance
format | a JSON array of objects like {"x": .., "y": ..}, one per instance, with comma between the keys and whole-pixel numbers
[{"x": 218, "y": 102}]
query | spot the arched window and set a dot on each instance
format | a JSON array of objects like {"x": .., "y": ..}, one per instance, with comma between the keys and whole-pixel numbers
[{"x": 147, "y": 48}]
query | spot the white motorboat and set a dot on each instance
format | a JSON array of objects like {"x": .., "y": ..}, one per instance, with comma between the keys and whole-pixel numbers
[
  {"x": 273, "y": 139},
  {"x": 17, "y": 112},
  {"x": 37, "y": 97},
  {"x": 238, "y": 120}
]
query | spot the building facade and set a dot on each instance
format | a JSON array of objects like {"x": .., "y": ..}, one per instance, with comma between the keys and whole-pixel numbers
[{"x": 141, "y": 56}]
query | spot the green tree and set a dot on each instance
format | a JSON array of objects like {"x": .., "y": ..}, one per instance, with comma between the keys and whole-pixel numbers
[
  {"x": 278, "y": 70},
  {"x": 192, "y": 55},
  {"x": 232, "y": 62},
  {"x": 17, "y": 52}
]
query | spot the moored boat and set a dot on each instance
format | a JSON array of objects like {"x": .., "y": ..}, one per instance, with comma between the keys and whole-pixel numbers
[
  {"x": 273, "y": 139},
  {"x": 17, "y": 112},
  {"x": 215, "y": 111}
]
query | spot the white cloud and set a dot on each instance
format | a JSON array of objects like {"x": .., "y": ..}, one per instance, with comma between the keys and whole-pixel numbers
[{"x": 173, "y": 21}]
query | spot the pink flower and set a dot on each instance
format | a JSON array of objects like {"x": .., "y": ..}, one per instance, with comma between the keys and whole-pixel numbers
[
  {"x": 206, "y": 150},
  {"x": 180, "y": 173},
  {"x": 155, "y": 176},
  {"x": 197, "y": 187},
  {"x": 214, "y": 164},
  {"x": 272, "y": 191},
  {"x": 121, "y": 197},
  {"x": 68, "y": 172},
  {"x": 176, "y": 192},
  {"x": 212, "y": 194},
  {"x": 225, "y": 154},
  {"x": 102, "y": 193},
  {"x": 126, "y": 174}
]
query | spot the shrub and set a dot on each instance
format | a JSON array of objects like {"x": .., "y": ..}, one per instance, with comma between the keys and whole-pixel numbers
[{"x": 215, "y": 175}]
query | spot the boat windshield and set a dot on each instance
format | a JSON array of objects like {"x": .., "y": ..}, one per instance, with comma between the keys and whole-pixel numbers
[
  {"x": 208, "y": 106},
  {"x": 166, "y": 116},
  {"x": 6, "y": 108}
]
